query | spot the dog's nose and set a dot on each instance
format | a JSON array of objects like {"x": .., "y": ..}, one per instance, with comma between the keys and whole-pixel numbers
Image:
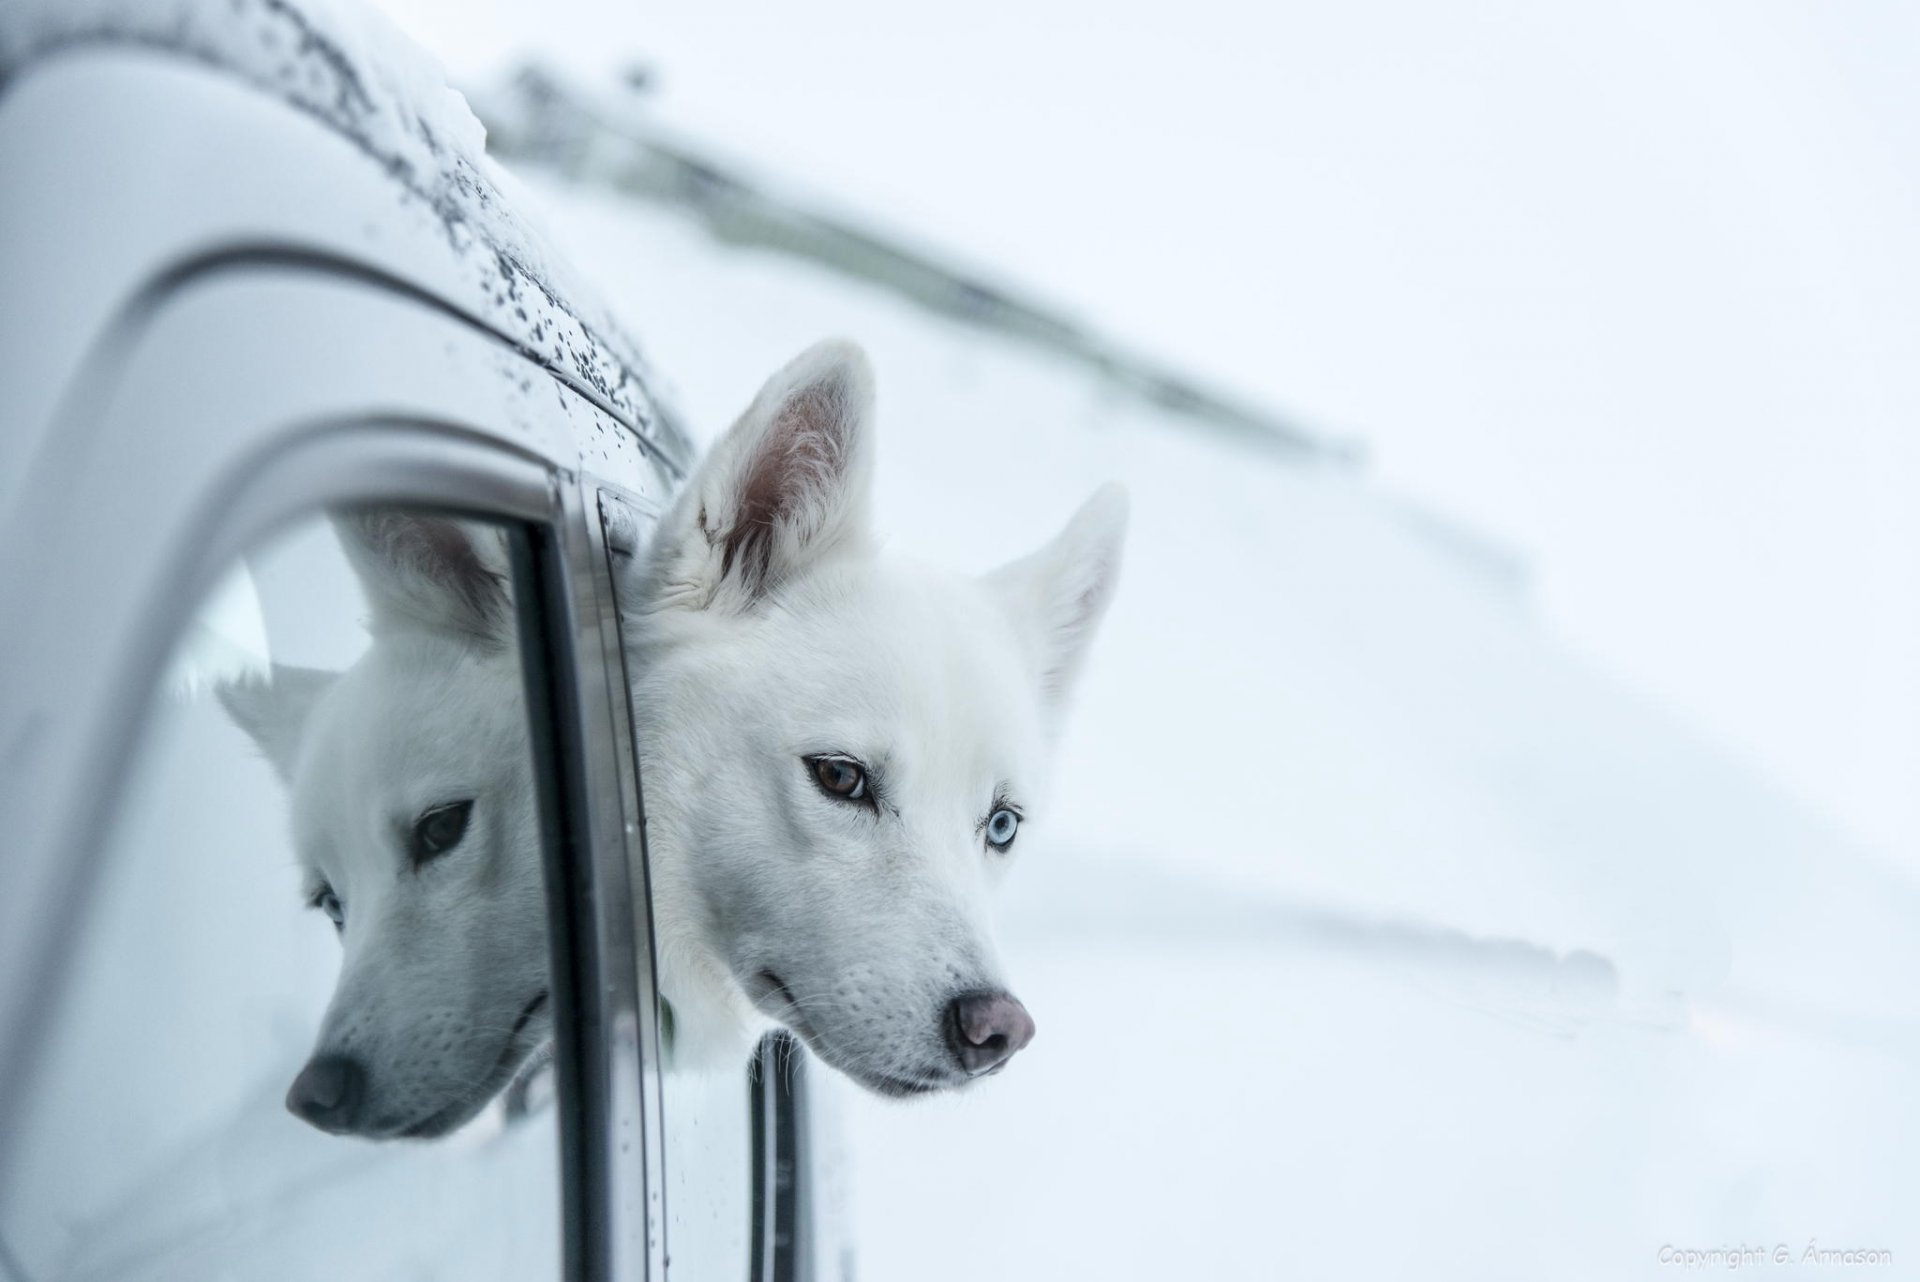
[
  {"x": 985, "y": 1029},
  {"x": 328, "y": 1092}
]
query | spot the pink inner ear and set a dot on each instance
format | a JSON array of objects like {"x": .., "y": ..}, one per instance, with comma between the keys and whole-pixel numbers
[{"x": 803, "y": 454}]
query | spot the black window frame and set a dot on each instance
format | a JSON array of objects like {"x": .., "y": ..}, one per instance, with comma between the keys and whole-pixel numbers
[{"x": 782, "y": 1249}]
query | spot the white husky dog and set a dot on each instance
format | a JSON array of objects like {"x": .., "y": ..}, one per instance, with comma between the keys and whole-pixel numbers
[{"x": 840, "y": 755}]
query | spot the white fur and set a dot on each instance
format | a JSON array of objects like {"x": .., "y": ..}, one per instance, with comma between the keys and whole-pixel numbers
[{"x": 754, "y": 650}]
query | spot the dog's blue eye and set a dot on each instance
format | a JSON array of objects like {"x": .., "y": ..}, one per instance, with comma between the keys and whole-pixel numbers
[
  {"x": 1002, "y": 825},
  {"x": 440, "y": 830},
  {"x": 840, "y": 777}
]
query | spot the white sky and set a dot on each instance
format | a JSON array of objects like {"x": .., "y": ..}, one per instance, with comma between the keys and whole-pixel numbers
[{"x": 1635, "y": 289}]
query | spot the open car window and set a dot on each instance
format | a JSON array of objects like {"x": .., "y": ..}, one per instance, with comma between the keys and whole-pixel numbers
[{"x": 707, "y": 1106}]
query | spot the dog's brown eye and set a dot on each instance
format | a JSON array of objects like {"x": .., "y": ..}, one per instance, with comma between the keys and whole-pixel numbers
[
  {"x": 839, "y": 777},
  {"x": 440, "y": 830}
]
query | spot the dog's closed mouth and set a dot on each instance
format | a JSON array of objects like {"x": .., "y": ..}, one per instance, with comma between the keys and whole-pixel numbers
[
  {"x": 767, "y": 987},
  {"x": 771, "y": 985},
  {"x": 442, "y": 1120},
  {"x": 899, "y": 1087},
  {"x": 532, "y": 1008}
]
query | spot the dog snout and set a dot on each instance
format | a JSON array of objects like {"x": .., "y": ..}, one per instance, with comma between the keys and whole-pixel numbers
[
  {"x": 984, "y": 1030},
  {"x": 329, "y": 1092}
]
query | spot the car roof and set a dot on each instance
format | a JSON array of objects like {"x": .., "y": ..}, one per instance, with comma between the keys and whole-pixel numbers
[{"x": 344, "y": 67}]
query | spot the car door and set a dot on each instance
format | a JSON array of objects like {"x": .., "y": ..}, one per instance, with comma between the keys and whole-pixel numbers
[{"x": 165, "y": 986}]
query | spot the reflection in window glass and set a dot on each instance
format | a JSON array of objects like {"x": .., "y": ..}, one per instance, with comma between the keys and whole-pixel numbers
[{"x": 296, "y": 1034}]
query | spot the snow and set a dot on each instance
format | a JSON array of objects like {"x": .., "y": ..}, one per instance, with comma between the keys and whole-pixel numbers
[{"x": 1363, "y": 904}]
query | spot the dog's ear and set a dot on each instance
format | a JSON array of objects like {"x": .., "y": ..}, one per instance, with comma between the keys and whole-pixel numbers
[
  {"x": 428, "y": 572},
  {"x": 1058, "y": 594},
  {"x": 274, "y": 710},
  {"x": 785, "y": 488}
]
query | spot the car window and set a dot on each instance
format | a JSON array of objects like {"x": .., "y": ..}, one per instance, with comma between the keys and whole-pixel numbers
[
  {"x": 301, "y": 1030},
  {"x": 706, "y": 1103},
  {"x": 709, "y": 1169}
]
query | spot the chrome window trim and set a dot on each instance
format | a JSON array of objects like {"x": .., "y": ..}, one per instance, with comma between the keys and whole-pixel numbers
[
  {"x": 619, "y": 525},
  {"x": 618, "y": 1082}
]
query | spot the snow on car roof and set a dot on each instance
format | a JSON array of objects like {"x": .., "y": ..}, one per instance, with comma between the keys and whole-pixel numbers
[{"x": 344, "y": 65}]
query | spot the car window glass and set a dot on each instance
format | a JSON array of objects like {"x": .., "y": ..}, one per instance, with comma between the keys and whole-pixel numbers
[
  {"x": 708, "y": 1124},
  {"x": 709, "y": 1168},
  {"x": 301, "y": 1029}
]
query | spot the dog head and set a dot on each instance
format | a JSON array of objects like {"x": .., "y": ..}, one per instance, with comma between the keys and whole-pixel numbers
[
  {"x": 843, "y": 754},
  {"x": 413, "y": 817}
]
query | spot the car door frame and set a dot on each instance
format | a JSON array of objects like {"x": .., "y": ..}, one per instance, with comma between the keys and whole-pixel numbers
[{"x": 168, "y": 463}]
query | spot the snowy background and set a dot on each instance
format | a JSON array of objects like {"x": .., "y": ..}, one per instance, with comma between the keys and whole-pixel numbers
[{"x": 1495, "y": 861}]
